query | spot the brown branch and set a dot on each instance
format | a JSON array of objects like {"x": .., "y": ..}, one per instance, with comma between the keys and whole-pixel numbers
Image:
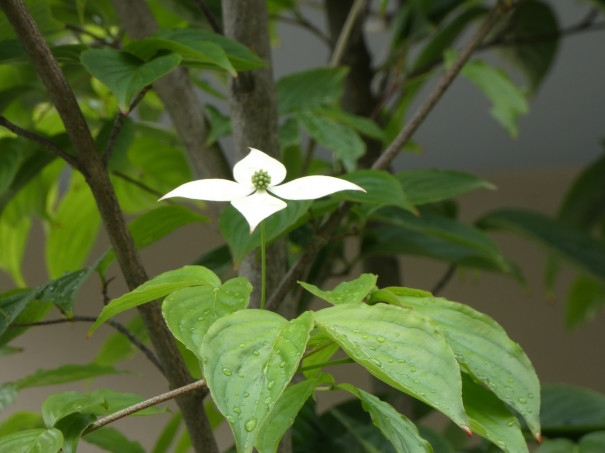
[
  {"x": 301, "y": 21},
  {"x": 197, "y": 385},
  {"x": 95, "y": 173},
  {"x": 119, "y": 122},
  {"x": 71, "y": 160},
  {"x": 299, "y": 268},
  {"x": 209, "y": 16},
  {"x": 345, "y": 33},
  {"x": 115, "y": 324}
]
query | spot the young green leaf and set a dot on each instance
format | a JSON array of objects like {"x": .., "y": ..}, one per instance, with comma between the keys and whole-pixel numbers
[
  {"x": 402, "y": 348},
  {"x": 484, "y": 350},
  {"x": 33, "y": 441},
  {"x": 190, "y": 311},
  {"x": 345, "y": 292},
  {"x": 250, "y": 357},
  {"x": 63, "y": 374},
  {"x": 159, "y": 286},
  {"x": 60, "y": 405},
  {"x": 112, "y": 440},
  {"x": 402, "y": 433}
]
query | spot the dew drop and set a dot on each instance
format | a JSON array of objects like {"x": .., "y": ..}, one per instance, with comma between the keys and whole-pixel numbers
[
  {"x": 256, "y": 353},
  {"x": 283, "y": 364},
  {"x": 380, "y": 339},
  {"x": 376, "y": 362},
  {"x": 412, "y": 369},
  {"x": 241, "y": 375},
  {"x": 268, "y": 400},
  {"x": 200, "y": 318},
  {"x": 237, "y": 410},
  {"x": 242, "y": 345},
  {"x": 230, "y": 418},
  {"x": 355, "y": 330},
  {"x": 270, "y": 384},
  {"x": 371, "y": 348},
  {"x": 365, "y": 337},
  {"x": 510, "y": 423},
  {"x": 226, "y": 371},
  {"x": 246, "y": 394},
  {"x": 250, "y": 424},
  {"x": 530, "y": 396},
  {"x": 522, "y": 400}
]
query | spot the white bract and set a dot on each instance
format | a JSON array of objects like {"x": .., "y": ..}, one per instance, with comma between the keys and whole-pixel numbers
[{"x": 255, "y": 176}]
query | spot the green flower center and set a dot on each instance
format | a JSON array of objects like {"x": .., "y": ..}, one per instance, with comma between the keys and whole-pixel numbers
[{"x": 261, "y": 180}]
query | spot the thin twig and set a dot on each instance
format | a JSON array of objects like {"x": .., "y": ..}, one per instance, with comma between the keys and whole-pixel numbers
[
  {"x": 137, "y": 183},
  {"x": 119, "y": 122},
  {"x": 301, "y": 21},
  {"x": 299, "y": 268},
  {"x": 71, "y": 160},
  {"x": 145, "y": 404},
  {"x": 209, "y": 16},
  {"x": 115, "y": 324},
  {"x": 345, "y": 33},
  {"x": 445, "y": 279}
]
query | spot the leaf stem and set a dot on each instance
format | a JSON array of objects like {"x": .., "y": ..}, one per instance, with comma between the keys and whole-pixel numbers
[
  {"x": 323, "y": 364},
  {"x": 263, "y": 265}
]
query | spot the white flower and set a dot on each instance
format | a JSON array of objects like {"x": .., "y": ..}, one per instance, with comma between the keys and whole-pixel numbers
[{"x": 254, "y": 175}]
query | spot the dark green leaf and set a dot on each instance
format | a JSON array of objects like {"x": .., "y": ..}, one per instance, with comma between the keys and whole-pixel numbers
[
  {"x": 343, "y": 141},
  {"x": 361, "y": 124},
  {"x": 168, "y": 434},
  {"x": 12, "y": 303},
  {"x": 33, "y": 441},
  {"x": 403, "y": 348},
  {"x": 72, "y": 426},
  {"x": 567, "y": 243},
  {"x": 34, "y": 311},
  {"x": 124, "y": 74},
  {"x": 568, "y": 410},
  {"x": 20, "y": 421},
  {"x": 424, "y": 186},
  {"x": 310, "y": 89},
  {"x": 63, "y": 374},
  {"x": 60, "y": 405},
  {"x": 345, "y": 292},
  {"x": 382, "y": 189},
  {"x": 236, "y": 230},
  {"x": 483, "y": 349},
  {"x": 402, "y": 433},
  {"x": 220, "y": 125},
  {"x": 436, "y": 237},
  {"x": 63, "y": 291},
  {"x": 585, "y": 299},
  {"x": 158, "y": 286},
  {"x": 528, "y": 26},
  {"x": 112, "y": 440},
  {"x": 491, "y": 419},
  {"x": 250, "y": 357}
]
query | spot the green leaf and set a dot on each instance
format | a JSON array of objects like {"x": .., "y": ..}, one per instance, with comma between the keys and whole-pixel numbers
[
  {"x": 346, "y": 292},
  {"x": 483, "y": 349},
  {"x": 168, "y": 434},
  {"x": 382, "y": 189},
  {"x": 64, "y": 374},
  {"x": 192, "y": 51},
  {"x": 283, "y": 414},
  {"x": 534, "y": 55},
  {"x": 12, "y": 303},
  {"x": 8, "y": 394},
  {"x": 565, "y": 242},
  {"x": 557, "y": 446},
  {"x": 72, "y": 426},
  {"x": 402, "y": 348},
  {"x": 40, "y": 10},
  {"x": 436, "y": 237},
  {"x": 583, "y": 205},
  {"x": 124, "y": 74},
  {"x": 585, "y": 299},
  {"x": 60, "y": 405},
  {"x": 343, "y": 141},
  {"x": 236, "y": 230},
  {"x": 424, "y": 186},
  {"x": 190, "y": 311},
  {"x": 432, "y": 53},
  {"x": 13, "y": 240},
  {"x": 220, "y": 125},
  {"x": 242, "y": 58},
  {"x": 310, "y": 89},
  {"x": 363, "y": 125},
  {"x": 158, "y": 286},
  {"x": 34, "y": 311},
  {"x": 571, "y": 411},
  {"x": 593, "y": 442},
  {"x": 491, "y": 419},
  {"x": 63, "y": 291},
  {"x": 116, "y": 401},
  {"x": 73, "y": 229},
  {"x": 250, "y": 357},
  {"x": 402, "y": 433},
  {"x": 33, "y": 441},
  {"x": 508, "y": 100},
  {"x": 154, "y": 225},
  {"x": 20, "y": 421},
  {"x": 110, "y": 439}
]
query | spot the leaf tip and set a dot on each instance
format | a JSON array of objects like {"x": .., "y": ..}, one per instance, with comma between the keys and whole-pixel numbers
[{"x": 467, "y": 430}]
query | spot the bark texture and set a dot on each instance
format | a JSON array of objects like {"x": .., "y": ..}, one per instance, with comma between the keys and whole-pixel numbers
[{"x": 254, "y": 120}]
